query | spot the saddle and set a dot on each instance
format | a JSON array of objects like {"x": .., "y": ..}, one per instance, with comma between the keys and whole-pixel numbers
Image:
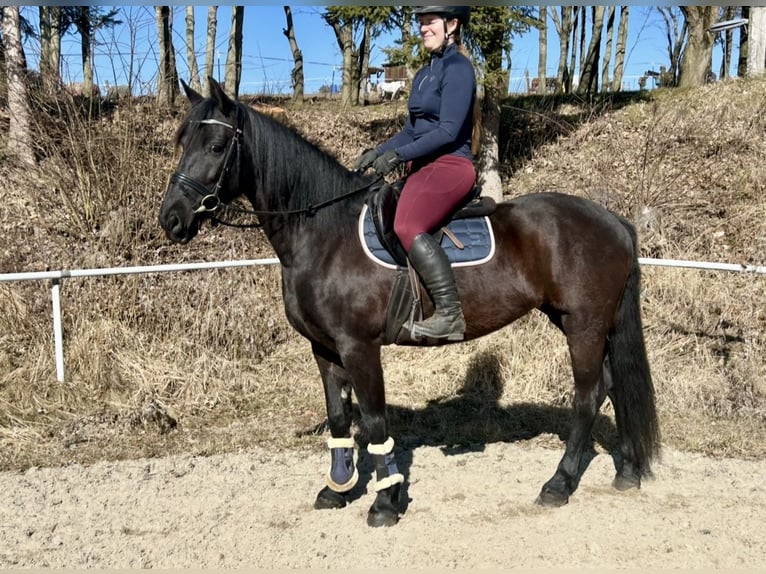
[
  {"x": 469, "y": 231},
  {"x": 471, "y": 242}
]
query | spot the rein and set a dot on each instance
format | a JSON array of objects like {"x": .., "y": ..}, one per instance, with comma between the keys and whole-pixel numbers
[{"x": 211, "y": 202}]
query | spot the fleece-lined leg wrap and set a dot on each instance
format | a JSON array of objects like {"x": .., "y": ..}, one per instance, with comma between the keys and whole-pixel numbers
[
  {"x": 342, "y": 475},
  {"x": 386, "y": 472}
]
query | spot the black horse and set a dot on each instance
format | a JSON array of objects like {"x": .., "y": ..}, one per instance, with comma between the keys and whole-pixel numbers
[{"x": 566, "y": 256}]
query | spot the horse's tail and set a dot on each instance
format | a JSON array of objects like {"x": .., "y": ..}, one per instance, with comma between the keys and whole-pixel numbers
[{"x": 632, "y": 388}]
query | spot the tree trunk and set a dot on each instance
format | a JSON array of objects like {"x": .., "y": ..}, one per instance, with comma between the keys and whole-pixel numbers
[
  {"x": 728, "y": 35},
  {"x": 50, "y": 48},
  {"x": 743, "y": 41},
  {"x": 581, "y": 44},
  {"x": 212, "y": 25},
  {"x": 607, "y": 58},
  {"x": 85, "y": 29},
  {"x": 756, "y": 42},
  {"x": 363, "y": 64},
  {"x": 697, "y": 57},
  {"x": 495, "y": 88},
  {"x": 619, "y": 56},
  {"x": 167, "y": 88},
  {"x": 19, "y": 130},
  {"x": 296, "y": 76},
  {"x": 573, "y": 56},
  {"x": 564, "y": 29},
  {"x": 191, "y": 56},
  {"x": 542, "y": 58},
  {"x": 589, "y": 69},
  {"x": 344, "y": 37},
  {"x": 234, "y": 54},
  {"x": 488, "y": 165}
]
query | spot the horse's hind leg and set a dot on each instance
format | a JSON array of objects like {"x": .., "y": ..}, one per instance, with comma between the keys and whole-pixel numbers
[
  {"x": 587, "y": 353},
  {"x": 342, "y": 475}
]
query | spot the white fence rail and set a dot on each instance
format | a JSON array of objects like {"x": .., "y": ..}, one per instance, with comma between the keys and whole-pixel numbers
[{"x": 56, "y": 277}]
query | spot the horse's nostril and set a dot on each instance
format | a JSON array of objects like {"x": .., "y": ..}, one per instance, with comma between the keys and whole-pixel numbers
[{"x": 173, "y": 222}]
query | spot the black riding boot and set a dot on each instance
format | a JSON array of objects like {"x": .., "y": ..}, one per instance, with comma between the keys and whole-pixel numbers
[{"x": 433, "y": 266}]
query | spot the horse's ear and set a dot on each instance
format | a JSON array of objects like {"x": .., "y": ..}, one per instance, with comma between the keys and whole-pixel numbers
[
  {"x": 225, "y": 103},
  {"x": 194, "y": 97}
]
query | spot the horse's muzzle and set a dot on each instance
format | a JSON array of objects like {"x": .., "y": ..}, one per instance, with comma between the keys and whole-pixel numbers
[{"x": 179, "y": 223}]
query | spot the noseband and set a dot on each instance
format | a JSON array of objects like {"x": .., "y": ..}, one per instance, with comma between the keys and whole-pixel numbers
[{"x": 211, "y": 201}]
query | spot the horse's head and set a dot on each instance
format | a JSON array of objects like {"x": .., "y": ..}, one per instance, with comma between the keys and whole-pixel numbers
[{"x": 210, "y": 138}]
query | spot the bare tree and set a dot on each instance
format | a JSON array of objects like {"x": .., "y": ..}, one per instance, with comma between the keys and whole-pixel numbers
[
  {"x": 675, "y": 32},
  {"x": 191, "y": 56},
  {"x": 19, "y": 131},
  {"x": 607, "y": 58},
  {"x": 87, "y": 21},
  {"x": 542, "y": 54},
  {"x": 50, "y": 47},
  {"x": 85, "y": 28},
  {"x": 743, "y": 41},
  {"x": 168, "y": 75},
  {"x": 564, "y": 25},
  {"x": 619, "y": 55},
  {"x": 345, "y": 21},
  {"x": 589, "y": 70},
  {"x": 212, "y": 26},
  {"x": 297, "y": 73},
  {"x": 696, "y": 61},
  {"x": 756, "y": 48},
  {"x": 234, "y": 54}
]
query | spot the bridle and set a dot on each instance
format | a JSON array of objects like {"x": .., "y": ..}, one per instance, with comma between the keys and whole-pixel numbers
[{"x": 211, "y": 201}]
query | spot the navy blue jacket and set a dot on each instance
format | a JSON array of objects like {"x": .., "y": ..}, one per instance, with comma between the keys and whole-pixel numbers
[{"x": 440, "y": 110}]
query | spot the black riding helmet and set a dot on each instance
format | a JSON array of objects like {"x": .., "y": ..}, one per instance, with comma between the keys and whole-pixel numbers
[{"x": 462, "y": 13}]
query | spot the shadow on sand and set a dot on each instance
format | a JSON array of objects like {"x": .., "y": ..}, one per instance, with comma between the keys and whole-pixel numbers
[{"x": 471, "y": 420}]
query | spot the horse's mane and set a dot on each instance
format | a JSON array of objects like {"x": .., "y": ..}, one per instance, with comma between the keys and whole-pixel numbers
[{"x": 291, "y": 171}]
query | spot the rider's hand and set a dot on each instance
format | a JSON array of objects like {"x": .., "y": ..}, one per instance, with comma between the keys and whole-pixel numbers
[
  {"x": 387, "y": 162},
  {"x": 365, "y": 160}
]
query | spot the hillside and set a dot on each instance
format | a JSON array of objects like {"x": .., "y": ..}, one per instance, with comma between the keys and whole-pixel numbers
[{"x": 686, "y": 167}]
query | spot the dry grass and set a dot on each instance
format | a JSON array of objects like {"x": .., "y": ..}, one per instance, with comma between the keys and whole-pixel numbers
[{"x": 205, "y": 362}]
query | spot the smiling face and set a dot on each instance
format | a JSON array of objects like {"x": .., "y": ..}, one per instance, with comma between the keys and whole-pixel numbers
[{"x": 434, "y": 31}]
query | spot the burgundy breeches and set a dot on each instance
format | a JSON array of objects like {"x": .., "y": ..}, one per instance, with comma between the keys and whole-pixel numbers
[{"x": 431, "y": 194}]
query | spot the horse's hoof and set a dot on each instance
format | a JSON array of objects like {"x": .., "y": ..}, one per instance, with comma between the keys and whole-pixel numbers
[
  {"x": 329, "y": 499},
  {"x": 552, "y": 499},
  {"x": 378, "y": 518},
  {"x": 623, "y": 483}
]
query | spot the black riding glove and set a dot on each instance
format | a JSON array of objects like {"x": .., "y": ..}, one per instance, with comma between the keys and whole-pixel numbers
[
  {"x": 387, "y": 162},
  {"x": 365, "y": 160}
]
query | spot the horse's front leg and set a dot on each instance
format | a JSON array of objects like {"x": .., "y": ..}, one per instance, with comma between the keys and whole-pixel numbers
[
  {"x": 363, "y": 364},
  {"x": 342, "y": 475}
]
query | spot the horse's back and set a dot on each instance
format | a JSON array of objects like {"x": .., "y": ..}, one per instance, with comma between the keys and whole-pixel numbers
[
  {"x": 566, "y": 224},
  {"x": 565, "y": 247}
]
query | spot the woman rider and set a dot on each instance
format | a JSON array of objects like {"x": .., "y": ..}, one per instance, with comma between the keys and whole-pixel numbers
[{"x": 436, "y": 146}]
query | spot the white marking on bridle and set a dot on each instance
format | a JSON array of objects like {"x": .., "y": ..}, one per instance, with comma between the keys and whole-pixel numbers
[{"x": 218, "y": 123}]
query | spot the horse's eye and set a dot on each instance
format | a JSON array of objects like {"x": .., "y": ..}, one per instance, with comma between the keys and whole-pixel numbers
[{"x": 216, "y": 148}]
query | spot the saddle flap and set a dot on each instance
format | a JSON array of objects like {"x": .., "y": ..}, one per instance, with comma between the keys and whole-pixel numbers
[{"x": 382, "y": 207}]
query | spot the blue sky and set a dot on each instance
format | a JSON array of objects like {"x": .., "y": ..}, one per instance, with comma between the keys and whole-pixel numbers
[{"x": 267, "y": 59}]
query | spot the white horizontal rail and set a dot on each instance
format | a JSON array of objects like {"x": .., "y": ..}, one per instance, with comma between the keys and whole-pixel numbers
[
  {"x": 67, "y": 274},
  {"x": 736, "y": 267},
  {"x": 56, "y": 276}
]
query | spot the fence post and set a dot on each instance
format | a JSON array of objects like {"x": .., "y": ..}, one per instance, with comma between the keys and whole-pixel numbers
[{"x": 58, "y": 336}]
